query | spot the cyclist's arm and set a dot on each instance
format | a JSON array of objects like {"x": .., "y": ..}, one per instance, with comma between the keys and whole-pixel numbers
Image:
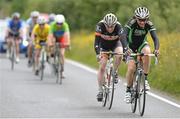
[
  {"x": 67, "y": 34},
  {"x": 155, "y": 39},
  {"x": 97, "y": 40},
  {"x": 122, "y": 35}
]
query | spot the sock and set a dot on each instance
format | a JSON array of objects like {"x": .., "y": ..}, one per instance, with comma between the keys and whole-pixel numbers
[{"x": 128, "y": 89}]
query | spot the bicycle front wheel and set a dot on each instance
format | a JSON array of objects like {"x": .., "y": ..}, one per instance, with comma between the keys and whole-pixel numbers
[
  {"x": 42, "y": 66},
  {"x": 12, "y": 58},
  {"x": 142, "y": 94},
  {"x": 134, "y": 93},
  {"x": 111, "y": 87}
]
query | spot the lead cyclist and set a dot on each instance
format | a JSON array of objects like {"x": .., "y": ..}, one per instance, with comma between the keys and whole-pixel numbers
[{"x": 136, "y": 31}]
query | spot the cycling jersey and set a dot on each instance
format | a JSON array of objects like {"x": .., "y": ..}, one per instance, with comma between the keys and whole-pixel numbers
[
  {"x": 137, "y": 35},
  {"x": 15, "y": 27},
  {"x": 40, "y": 35},
  {"x": 58, "y": 31},
  {"x": 102, "y": 44},
  {"x": 31, "y": 25}
]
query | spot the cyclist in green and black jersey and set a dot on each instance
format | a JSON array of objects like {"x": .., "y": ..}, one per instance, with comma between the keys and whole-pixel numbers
[{"x": 136, "y": 31}]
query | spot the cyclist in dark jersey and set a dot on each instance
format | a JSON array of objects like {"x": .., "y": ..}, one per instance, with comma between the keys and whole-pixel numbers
[
  {"x": 136, "y": 31},
  {"x": 108, "y": 37}
]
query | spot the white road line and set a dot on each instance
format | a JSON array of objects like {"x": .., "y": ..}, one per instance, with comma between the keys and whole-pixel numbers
[{"x": 95, "y": 72}]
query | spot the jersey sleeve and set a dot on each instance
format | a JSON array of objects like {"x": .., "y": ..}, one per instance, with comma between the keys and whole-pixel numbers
[
  {"x": 66, "y": 27},
  {"x": 130, "y": 23},
  {"x": 150, "y": 26},
  {"x": 51, "y": 28},
  {"x": 35, "y": 29}
]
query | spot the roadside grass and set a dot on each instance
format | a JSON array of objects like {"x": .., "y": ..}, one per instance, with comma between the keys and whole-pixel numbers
[{"x": 164, "y": 77}]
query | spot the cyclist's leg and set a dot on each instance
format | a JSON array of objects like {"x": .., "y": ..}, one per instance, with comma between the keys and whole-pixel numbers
[
  {"x": 30, "y": 47},
  {"x": 146, "y": 63},
  {"x": 37, "y": 55},
  {"x": 129, "y": 77},
  {"x": 17, "y": 42},
  {"x": 8, "y": 39},
  {"x": 101, "y": 71},
  {"x": 146, "y": 59},
  {"x": 118, "y": 58}
]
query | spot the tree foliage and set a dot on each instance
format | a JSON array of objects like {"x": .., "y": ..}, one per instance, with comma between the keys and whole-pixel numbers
[{"x": 84, "y": 14}]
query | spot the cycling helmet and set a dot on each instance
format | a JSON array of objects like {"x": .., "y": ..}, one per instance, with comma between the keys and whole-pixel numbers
[
  {"x": 60, "y": 18},
  {"x": 110, "y": 19},
  {"x": 52, "y": 17},
  {"x": 141, "y": 13},
  {"x": 41, "y": 20},
  {"x": 34, "y": 14},
  {"x": 16, "y": 15}
]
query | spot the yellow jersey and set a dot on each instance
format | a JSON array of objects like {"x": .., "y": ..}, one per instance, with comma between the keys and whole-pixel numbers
[{"x": 41, "y": 34}]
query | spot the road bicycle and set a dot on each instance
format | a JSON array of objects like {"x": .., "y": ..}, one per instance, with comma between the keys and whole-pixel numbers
[
  {"x": 138, "y": 90},
  {"x": 57, "y": 63},
  {"x": 109, "y": 80}
]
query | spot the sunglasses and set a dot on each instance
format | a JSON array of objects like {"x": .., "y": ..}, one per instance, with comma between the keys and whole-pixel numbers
[
  {"x": 142, "y": 20},
  {"x": 59, "y": 23},
  {"x": 41, "y": 24}
]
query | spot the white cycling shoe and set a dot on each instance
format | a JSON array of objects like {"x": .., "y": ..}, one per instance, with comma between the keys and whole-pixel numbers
[
  {"x": 147, "y": 85},
  {"x": 127, "y": 97}
]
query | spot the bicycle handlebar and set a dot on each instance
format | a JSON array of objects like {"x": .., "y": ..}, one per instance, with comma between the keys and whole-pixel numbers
[{"x": 109, "y": 52}]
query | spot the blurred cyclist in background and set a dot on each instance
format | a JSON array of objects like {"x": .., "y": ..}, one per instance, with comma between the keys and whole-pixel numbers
[
  {"x": 39, "y": 34},
  {"x": 51, "y": 18},
  {"x": 59, "y": 32},
  {"x": 14, "y": 32},
  {"x": 31, "y": 22}
]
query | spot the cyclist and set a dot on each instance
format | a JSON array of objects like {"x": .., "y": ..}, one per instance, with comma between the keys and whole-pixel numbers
[
  {"x": 59, "y": 32},
  {"x": 14, "y": 29},
  {"x": 109, "y": 36},
  {"x": 136, "y": 30},
  {"x": 51, "y": 18},
  {"x": 31, "y": 22},
  {"x": 39, "y": 34}
]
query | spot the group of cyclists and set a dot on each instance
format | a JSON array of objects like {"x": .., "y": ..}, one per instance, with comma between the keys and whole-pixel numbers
[
  {"x": 110, "y": 35},
  {"x": 39, "y": 29}
]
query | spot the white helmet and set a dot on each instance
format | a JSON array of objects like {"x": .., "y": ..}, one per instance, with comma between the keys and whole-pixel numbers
[
  {"x": 16, "y": 15},
  {"x": 41, "y": 20},
  {"x": 34, "y": 14},
  {"x": 110, "y": 19},
  {"x": 142, "y": 13},
  {"x": 60, "y": 18}
]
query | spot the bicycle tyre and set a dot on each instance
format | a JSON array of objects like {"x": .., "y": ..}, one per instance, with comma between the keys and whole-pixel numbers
[
  {"x": 134, "y": 94},
  {"x": 142, "y": 95},
  {"x": 12, "y": 58},
  {"x": 42, "y": 66},
  {"x": 111, "y": 87}
]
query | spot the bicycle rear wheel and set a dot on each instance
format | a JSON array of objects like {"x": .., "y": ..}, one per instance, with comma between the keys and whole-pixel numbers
[
  {"x": 142, "y": 94},
  {"x": 42, "y": 66},
  {"x": 111, "y": 88},
  {"x": 134, "y": 94}
]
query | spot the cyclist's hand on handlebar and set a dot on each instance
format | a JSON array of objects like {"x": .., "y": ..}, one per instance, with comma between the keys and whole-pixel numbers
[
  {"x": 156, "y": 52},
  {"x": 98, "y": 57},
  {"x": 127, "y": 51}
]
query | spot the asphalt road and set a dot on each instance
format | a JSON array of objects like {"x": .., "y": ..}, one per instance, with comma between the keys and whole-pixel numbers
[{"x": 23, "y": 95}]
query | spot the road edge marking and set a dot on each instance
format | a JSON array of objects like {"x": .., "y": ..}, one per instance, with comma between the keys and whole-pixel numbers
[{"x": 95, "y": 72}]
